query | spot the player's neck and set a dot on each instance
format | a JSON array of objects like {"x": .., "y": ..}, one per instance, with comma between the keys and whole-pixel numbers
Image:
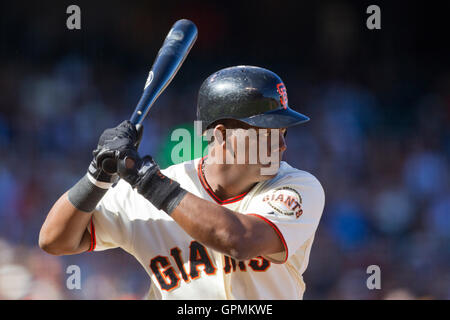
[{"x": 228, "y": 181}]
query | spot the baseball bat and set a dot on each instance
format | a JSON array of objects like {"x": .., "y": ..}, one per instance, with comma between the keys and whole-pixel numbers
[
  {"x": 173, "y": 52},
  {"x": 171, "y": 56}
]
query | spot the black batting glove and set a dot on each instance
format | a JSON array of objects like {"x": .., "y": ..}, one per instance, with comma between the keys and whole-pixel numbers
[
  {"x": 102, "y": 173},
  {"x": 145, "y": 176},
  {"x": 113, "y": 142}
]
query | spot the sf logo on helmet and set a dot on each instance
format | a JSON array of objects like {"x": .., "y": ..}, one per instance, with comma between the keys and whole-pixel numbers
[{"x": 283, "y": 94}]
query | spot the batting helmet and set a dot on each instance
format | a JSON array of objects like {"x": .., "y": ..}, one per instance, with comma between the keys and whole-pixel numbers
[{"x": 250, "y": 94}]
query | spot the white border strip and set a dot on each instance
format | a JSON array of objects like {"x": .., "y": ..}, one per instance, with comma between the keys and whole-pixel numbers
[{"x": 100, "y": 184}]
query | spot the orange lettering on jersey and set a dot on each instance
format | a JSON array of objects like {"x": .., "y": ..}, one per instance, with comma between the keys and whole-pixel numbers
[
  {"x": 297, "y": 209},
  {"x": 259, "y": 264},
  {"x": 166, "y": 275},
  {"x": 198, "y": 256},
  {"x": 176, "y": 254},
  {"x": 230, "y": 262},
  {"x": 283, "y": 94},
  {"x": 167, "y": 279},
  {"x": 285, "y": 200},
  {"x": 289, "y": 201}
]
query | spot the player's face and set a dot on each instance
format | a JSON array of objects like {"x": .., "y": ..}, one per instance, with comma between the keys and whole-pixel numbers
[{"x": 258, "y": 149}]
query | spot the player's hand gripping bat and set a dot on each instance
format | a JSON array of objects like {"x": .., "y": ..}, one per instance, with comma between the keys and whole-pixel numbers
[{"x": 173, "y": 52}]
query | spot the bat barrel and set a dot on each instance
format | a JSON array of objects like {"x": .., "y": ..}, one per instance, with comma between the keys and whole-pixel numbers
[{"x": 173, "y": 52}]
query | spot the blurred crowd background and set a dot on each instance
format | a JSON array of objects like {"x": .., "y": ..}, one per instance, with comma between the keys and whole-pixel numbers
[{"x": 378, "y": 139}]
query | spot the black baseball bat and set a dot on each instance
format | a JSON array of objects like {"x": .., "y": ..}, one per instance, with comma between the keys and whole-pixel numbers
[
  {"x": 171, "y": 56},
  {"x": 173, "y": 52}
]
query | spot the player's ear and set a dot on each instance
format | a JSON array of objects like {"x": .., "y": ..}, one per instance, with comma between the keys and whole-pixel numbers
[{"x": 219, "y": 134}]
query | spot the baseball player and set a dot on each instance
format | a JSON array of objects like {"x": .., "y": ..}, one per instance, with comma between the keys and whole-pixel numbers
[{"x": 205, "y": 228}]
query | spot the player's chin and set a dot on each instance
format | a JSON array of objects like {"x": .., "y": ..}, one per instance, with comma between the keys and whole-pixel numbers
[{"x": 269, "y": 170}]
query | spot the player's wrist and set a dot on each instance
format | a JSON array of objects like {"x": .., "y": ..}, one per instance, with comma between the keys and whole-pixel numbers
[
  {"x": 164, "y": 193},
  {"x": 173, "y": 200},
  {"x": 87, "y": 193},
  {"x": 160, "y": 190},
  {"x": 102, "y": 182}
]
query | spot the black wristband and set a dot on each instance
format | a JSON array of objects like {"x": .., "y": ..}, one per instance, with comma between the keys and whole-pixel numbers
[
  {"x": 85, "y": 195},
  {"x": 173, "y": 200}
]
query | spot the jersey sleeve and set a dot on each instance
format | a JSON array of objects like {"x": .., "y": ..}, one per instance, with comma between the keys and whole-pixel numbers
[
  {"x": 293, "y": 208},
  {"x": 110, "y": 225}
]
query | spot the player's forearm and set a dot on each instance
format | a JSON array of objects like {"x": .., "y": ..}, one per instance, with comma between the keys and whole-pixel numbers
[
  {"x": 63, "y": 231},
  {"x": 217, "y": 227},
  {"x": 232, "y": 233},
  {"x": 65, "y": 228}
]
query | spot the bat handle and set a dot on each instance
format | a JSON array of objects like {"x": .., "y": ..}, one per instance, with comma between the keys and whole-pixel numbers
[{"x": 110, "y": 165}]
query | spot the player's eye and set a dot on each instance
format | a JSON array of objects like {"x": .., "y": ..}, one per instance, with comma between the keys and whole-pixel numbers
[{"x": 269, "y": 132}]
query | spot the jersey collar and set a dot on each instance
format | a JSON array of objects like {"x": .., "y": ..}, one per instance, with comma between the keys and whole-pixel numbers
[{"x": 208, "y": 189}]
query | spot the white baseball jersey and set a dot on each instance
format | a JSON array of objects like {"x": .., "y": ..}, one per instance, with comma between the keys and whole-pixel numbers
[{"x": 182, "y": 268}]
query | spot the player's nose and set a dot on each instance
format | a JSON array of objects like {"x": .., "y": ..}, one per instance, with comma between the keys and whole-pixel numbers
[{"x": 282, "y": 146}]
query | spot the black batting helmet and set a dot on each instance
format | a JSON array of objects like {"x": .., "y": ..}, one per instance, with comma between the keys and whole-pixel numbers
[{"x": 250, "y": 94}]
